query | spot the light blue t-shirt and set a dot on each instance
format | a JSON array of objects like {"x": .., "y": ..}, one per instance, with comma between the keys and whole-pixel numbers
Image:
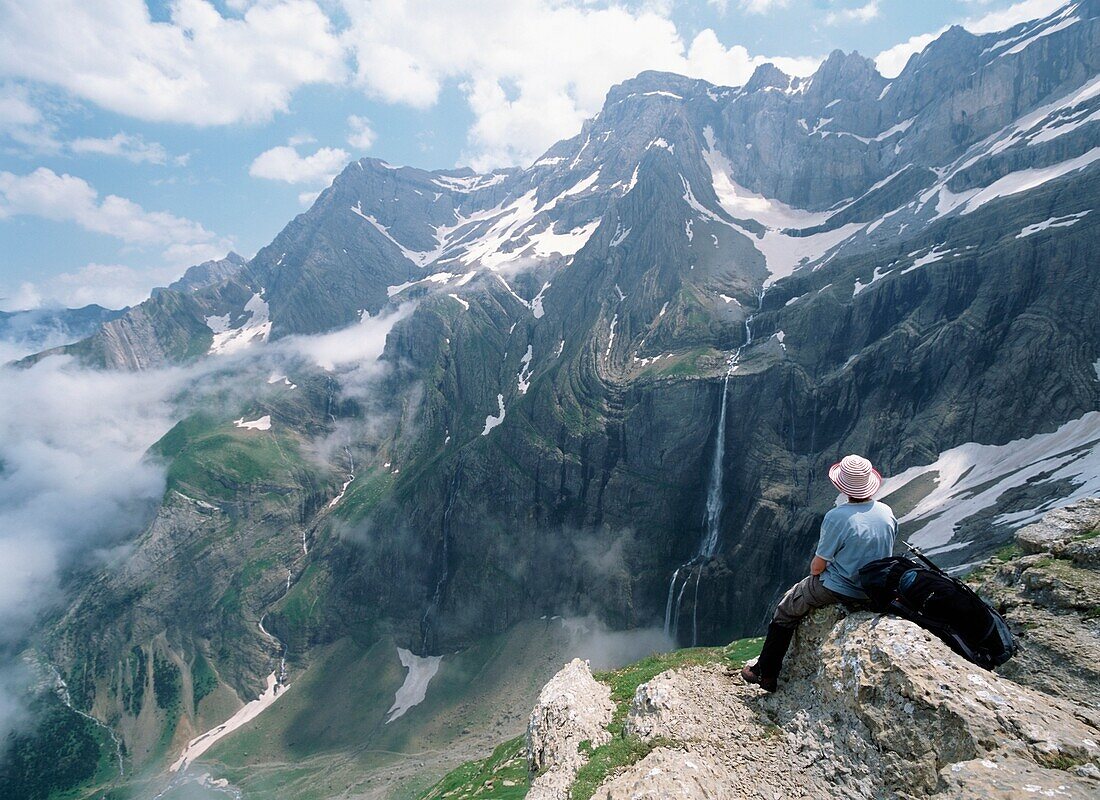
[{"x": 852, "y": 535}]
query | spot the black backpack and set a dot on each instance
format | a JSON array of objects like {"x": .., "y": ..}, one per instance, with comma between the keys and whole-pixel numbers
[{"x": 925, "y": 594}]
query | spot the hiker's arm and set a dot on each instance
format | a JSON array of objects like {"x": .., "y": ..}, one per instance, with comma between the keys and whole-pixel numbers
[{"x": 827, "y": 546}]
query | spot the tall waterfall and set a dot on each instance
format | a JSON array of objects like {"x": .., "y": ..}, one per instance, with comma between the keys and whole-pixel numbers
[
  {"x": 714, "y": 493},
  {"x": 712, "y": 528}
]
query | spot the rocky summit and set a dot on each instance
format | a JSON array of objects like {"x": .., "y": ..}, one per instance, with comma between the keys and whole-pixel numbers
[
  {"x": 448, "y": 430},
  {"x": 868, "y": 706}
]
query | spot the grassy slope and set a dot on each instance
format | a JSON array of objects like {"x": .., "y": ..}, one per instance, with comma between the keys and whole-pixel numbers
[
  {"x": 503, "y": 775},
  {"x": 220, "y": 461},
  {"x": 328, "y": 732}
]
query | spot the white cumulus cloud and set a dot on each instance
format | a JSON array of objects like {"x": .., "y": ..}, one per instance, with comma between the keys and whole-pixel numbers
[
  {"x": 360, "y": 133},
  {"x": 285, "y": 163},
  {"x": 44, "y": 193},
  {"x": 531, "y": 70},
  {"x": 66, "y": 198},
  {"x": 863, "y": 13},
  {"x": 197, "y": 67},
  {"x": 1013, "y": 15},
  {"x": 109, "y": 285},
  {"x": 23, "y": 123},
  {"x": 891, "y": 61},
  {"x": 761, "y": 6},
  {"x": 122, "y": 145},
  {"x": 75, "y": 479}
]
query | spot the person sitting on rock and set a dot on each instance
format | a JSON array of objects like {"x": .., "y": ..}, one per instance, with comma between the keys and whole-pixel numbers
[{"x": 852, "y": 534}]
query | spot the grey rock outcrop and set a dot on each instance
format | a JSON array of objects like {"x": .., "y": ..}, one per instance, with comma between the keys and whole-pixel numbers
[
  {"x": 711, "y": 712},
  {"x": 1051, "y": 598},
  {"x": 666, "y": 774},
  {"x": 1059, "y": 533},
  {"x": 572, "y": 708},
  {"x": 874, "y": 706},
  {"x": 880, "y": 707},
  {"x": 208, "y": 273}
]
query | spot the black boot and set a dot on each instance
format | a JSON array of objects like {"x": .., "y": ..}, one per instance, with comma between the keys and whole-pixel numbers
[{"x": 765, "y": 672}]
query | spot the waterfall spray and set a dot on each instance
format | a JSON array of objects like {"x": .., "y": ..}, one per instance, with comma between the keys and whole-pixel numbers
[{"x": 668, "y": 604}]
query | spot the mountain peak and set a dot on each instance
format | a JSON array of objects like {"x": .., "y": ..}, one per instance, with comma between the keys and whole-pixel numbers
[
  {"x": 208, "y": 273},
  {"x": 767, "y": 76},
  {"x": 846, "y": 74},
  {"x": 652, "y": 82},
  {"x": 839, "y": 61},
  {"x": 952, "y": 43}
]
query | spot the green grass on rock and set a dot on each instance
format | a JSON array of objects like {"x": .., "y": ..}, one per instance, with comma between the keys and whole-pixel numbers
[{"x": 503, "y": 775}]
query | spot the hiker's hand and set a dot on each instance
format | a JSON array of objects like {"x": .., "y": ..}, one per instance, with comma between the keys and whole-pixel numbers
[{"x": 817, "y": 566}]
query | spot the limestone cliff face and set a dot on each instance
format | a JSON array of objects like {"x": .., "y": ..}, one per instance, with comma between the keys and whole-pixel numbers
[{"x": 873, "y": 706}]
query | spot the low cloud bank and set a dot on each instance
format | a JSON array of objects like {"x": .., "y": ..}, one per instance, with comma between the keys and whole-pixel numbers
[{"x": 75, "y": 486}]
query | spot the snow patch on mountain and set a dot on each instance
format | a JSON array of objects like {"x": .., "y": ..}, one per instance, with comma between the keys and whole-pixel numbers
[
  {"x": 438, "y": 277},
  {"x": 276, "y": 378},
  {"x": 1012, "y": 183},
  {"x": 421, "y": 670},
  {"x": 257, "y": 328},
  {"x": 248, "y": 712},
  {"x": 741, "y": 203},
  {"x": 1053, "y": 222},
  {"x": 468, "y": 183},
  {"x": 931, "y": 257},
  {"x": 537, "y": 309},
  {"x": 784, "y": 254},
  {"x": 523, "y": 378},
  {"x": 1047, "y": 31},
  {"x": 491, "y": 421},
  {"x": 620, "y": 235},
  {"x": 418, "y": 258},
  {"x": 972, "y": 477},
  {"x": 548, "y": 243},
  {"x": 219, "y": 324},
  {"x": 878, "y": 275},
  {"x": 1054, "y": 119}
]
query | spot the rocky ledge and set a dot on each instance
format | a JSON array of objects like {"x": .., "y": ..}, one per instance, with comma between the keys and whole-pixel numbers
[{"x": 870, "y": 706}]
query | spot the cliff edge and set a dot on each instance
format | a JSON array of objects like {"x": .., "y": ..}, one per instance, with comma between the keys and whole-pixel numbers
[{"x": 869, "y": 706}]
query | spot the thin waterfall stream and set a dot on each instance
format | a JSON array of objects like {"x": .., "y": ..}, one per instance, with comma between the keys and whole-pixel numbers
[{"x": 708, "y": 545}]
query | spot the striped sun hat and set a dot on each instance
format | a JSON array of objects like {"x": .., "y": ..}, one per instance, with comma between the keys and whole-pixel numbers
[{"x": 854, "y": 476}]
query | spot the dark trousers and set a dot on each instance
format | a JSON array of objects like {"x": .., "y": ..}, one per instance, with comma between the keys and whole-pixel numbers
[
  {"x": 808, "y": 594},
  {"x": 802, "y": 598}
]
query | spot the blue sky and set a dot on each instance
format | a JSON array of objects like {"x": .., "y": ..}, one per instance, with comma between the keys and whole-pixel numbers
[{"x": 139, "y": 138}]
